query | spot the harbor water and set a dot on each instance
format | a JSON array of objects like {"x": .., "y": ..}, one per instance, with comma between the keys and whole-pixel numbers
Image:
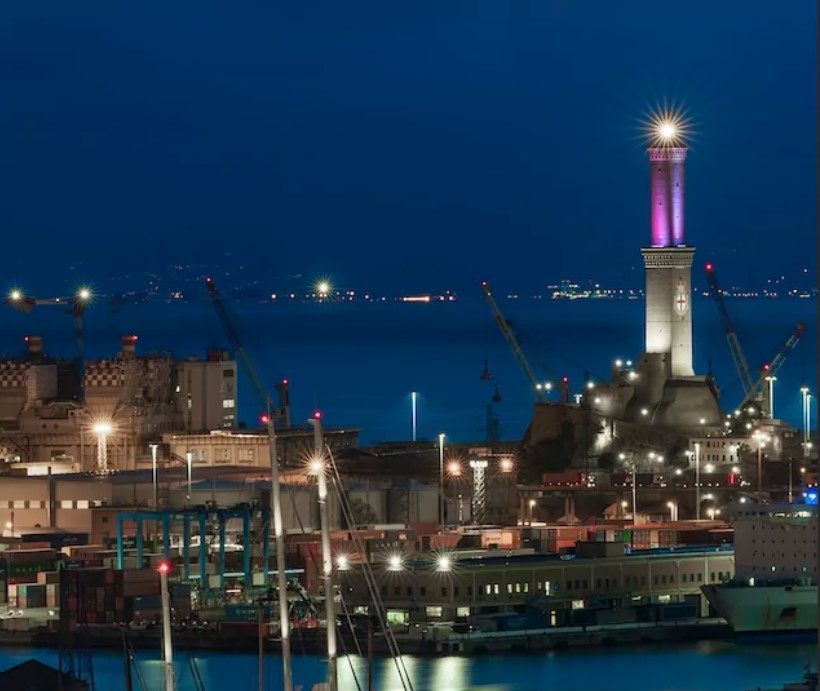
[
  {"x": 714, "y": 666},
  {"x": 359, "y": 362}
]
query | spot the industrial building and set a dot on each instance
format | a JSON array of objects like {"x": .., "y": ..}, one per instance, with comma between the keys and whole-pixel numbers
[{"x": 600, "y": 574}]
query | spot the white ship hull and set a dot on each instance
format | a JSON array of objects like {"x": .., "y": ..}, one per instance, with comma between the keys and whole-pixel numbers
[{"x": 765, "y": 609}]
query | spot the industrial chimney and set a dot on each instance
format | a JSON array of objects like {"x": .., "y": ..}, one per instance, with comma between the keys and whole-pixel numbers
[{"x": 128, "y": 345}]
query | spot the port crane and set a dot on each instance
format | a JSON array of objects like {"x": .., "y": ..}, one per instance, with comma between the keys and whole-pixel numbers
[
  {"x": 76, "y": 305},
  {"x": 741, "y": 365},
  {"x": 280, "y": 414},
  {"x": 774, "y": 366},
  {"x": 753, "y": 389},
  {"x": 269, "y": 418},
  {"x": 512, "y": 341}
]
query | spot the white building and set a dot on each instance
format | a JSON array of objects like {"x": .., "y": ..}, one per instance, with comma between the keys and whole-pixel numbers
[{"x": 775, "y": 541}]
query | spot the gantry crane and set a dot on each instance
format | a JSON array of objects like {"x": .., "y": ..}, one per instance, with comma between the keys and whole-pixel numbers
[
  {"x": 511, "y": 339},
  {"x": 76, "y": 305},
  {"x": 280, "y": 414}
]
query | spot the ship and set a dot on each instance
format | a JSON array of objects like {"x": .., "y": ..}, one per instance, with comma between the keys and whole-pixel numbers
[{"x": 774, "y": 590}]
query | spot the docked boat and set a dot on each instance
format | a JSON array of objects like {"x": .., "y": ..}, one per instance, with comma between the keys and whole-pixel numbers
[{"x": 774, "y": 589}]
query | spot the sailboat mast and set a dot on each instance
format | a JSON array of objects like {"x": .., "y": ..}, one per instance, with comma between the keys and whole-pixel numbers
[
  {"x": 279, "y": 535},
  {"x": 320, "y": 468}
]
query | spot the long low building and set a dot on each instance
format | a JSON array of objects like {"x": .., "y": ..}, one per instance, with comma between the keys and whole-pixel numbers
[{"x": 601, "y": 575}]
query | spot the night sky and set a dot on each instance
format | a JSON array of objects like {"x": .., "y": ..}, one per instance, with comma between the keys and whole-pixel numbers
[{"x": 427, "y": 144}]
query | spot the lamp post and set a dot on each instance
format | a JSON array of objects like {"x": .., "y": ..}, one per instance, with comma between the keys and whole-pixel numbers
[
  {"x": 697, "y": 480},
  {"x": 414, "y": 413},
  {"x": 673, "y": 510},
  {"x": 441, "y": 501},
  {"x": 771, "y": 379},
  {"x": 102, "y": 430},
  {"x": 532, "y": 509},
  {"x": 154, "y": 473},
  {"x": 804, "y": 392},
  {"x": 634, "y": 494},
  {"x": 189, "y": 457}
]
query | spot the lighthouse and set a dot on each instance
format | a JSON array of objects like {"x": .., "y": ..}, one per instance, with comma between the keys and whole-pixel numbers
[
  {"x": 668, "y": 260},
  {"x": 667, "y": 390}
]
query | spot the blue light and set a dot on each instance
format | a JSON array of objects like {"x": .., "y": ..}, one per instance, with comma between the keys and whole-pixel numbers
[{"x": 810, "y": 496}]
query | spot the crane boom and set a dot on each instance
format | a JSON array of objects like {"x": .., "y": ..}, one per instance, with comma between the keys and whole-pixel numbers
[
  {"x": 509, "y": 336},
  {"x": 236, "y": 345},
  {"x": 777, "y": 362},
  {"x": 741, "y": 365}
]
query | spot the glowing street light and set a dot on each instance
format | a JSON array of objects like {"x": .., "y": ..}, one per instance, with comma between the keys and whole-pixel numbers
[
  {"x": 441, "y": 504},
  {"x": 444, "y": 564},
  {"x": 414, "y": 412},
  {"x": 84, "y": 294},
  {"x": 102, "y": 430},
  {"x": 16, "y": 295},
  {"x": 506, "y": 465},
  {"x": 771, "y": 379},
  {"x": 454, "y": 468},
  {"x": 189, "y": 458},
  {"x": 395, "y": 562},
  {"x": 342, "y": 563}
]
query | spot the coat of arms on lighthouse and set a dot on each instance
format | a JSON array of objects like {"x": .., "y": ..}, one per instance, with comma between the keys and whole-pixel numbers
[{"x": 681, "y": 299}]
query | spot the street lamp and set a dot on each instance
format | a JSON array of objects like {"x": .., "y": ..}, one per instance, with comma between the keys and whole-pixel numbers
[
  {"x": 102, "y": 430},
  {"x": 414, "y": 403},
  {"x": 189, "y": 457},
  {"x": 441, "y": 504},
  {"x": 673, "y": 510},
  {"x": 761, "y": 443},
  {"x": 697, "y": 480},
  {"x": 532, "y": 509},
  {"x": 804, "y": 390},
  {"x": 154, "y": 448},
  {"x": 771, "y": 379}
]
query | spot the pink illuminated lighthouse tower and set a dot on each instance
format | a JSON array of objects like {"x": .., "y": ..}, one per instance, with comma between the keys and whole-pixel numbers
[
  {"x": 668, "y": 263},
  {"x": 667, "y": 389}
]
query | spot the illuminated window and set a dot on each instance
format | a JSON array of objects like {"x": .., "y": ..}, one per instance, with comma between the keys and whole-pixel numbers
[
  {"x": 66, "y": 504},
  {"x": 228, "y": 403},
  {"x": 82, "y": 504},
  {"x": 434, "y": 612}
]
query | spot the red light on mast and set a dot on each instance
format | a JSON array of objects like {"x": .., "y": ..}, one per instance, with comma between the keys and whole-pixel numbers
[
  {"x": 264, "y": 419},
  {"x": 284, "y": 382},
  {"x": 317, "y": 414},
  {"x": 164, "y": 567},
  {"x": 709, "y": 267}
]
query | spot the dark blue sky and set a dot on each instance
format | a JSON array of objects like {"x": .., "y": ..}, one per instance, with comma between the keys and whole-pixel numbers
[{"x": 432, "y": 143}]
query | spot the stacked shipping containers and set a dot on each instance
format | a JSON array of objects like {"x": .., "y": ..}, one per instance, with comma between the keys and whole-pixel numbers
[{"x": 105, "y": 596}]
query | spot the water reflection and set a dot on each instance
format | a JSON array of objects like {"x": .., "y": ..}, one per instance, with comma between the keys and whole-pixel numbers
[{"x": 717, "y": 666}]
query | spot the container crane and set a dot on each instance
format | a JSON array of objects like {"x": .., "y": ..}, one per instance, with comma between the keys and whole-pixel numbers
[
  {"x": 512, "y": 341},
  {"x": 269, "y": 418},
  {"x": 76, "y": 305},
  {"x": 777, "y": 362},
  {"x": 741, "y": 365},
  {"x": 282, "y": 413}
]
